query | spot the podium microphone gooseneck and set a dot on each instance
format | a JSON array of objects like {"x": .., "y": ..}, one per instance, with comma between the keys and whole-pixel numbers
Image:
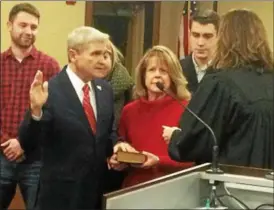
[{"x": 215, "y": 150}]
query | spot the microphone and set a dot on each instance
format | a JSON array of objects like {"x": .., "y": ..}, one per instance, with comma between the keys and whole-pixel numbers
[{"x": 215, "y": 150}]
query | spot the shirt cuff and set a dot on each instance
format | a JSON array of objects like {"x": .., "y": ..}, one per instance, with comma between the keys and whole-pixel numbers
[{"x": 37, "y": 118}]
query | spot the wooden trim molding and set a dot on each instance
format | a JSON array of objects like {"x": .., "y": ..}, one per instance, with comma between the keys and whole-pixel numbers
[
  {"x": 137, "y": 39},
  {"x": 215, "y": 6},
  {"x": 88, "y": 13},
  {"x": 156, "y": 23}
]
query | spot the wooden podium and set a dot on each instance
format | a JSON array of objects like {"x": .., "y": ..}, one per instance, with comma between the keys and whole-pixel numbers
[{"x": 190, "y": 188}]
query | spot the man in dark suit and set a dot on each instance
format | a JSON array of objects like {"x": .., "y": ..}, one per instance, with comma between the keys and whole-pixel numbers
[
  {"x": 71, "y": 118},
  {"x": 203, "y": 31}
]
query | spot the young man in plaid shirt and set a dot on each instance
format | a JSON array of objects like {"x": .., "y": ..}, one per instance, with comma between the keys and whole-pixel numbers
[{"x": 18, "y": 67}]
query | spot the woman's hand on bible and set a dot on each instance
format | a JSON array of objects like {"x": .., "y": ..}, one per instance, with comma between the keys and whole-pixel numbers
[
  {"x": 151, "y": 160},
  {"x": 120, "y": 146},
  {"x": 123, "y": 146},
  {"x": 116, "y": 165}
]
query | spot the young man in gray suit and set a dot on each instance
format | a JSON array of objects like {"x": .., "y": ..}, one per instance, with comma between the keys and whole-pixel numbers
[{"x": 71, "y": 117}]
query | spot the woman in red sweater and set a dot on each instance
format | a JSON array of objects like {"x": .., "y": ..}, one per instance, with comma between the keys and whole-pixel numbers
[{"x": 142, "y": 120}]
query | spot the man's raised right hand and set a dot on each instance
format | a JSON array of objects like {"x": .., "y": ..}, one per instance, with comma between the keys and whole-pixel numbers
[{"x": 38, "y": 94}]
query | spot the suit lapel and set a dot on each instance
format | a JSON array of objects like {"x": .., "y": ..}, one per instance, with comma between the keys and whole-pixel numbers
[
  {"x": 192, "y": 71},
  {"x": 73, "y": 100},
  {"x": 99, "y": 98}
]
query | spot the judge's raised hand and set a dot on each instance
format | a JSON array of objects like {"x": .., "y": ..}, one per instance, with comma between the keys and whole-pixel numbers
[{"x": 38, "y": 93}]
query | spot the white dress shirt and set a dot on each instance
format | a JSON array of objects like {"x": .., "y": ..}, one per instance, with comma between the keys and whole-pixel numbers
[
  {"x": 78, "y": 85},
  {"x": 200, "y": 70}
]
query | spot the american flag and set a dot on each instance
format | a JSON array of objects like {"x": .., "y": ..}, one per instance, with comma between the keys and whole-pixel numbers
[{"x": 184, "y": 28}]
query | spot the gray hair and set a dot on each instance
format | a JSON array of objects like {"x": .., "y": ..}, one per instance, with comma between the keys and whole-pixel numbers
[{"x": 80, "y": 37}]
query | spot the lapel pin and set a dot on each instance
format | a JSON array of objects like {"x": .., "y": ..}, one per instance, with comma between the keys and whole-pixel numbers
[{"x": 99, "y": 87}]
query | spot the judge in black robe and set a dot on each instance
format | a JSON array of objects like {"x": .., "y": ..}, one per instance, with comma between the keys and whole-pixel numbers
[{"x": 236, "y": 102}]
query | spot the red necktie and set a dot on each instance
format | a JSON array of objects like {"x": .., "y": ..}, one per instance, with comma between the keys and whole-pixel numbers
[{"x": 88, "y": 108}]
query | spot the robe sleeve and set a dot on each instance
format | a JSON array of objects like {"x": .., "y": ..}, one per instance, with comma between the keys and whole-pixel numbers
[{"x": 211, "y": 103}]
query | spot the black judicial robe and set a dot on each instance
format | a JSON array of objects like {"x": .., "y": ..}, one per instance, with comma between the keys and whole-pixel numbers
[{"x": 238, "y": 105}]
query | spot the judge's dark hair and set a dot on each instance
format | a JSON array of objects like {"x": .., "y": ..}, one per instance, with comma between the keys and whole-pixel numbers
[{"x": 242, "y": 41}]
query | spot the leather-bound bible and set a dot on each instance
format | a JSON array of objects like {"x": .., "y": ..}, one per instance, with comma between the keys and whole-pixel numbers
[{"x": 131, "y": 157}]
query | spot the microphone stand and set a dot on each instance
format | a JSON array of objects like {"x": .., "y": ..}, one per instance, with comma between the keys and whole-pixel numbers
[
  {"x": 214, "y": 165},
  {"x": 215, "y": 149}
]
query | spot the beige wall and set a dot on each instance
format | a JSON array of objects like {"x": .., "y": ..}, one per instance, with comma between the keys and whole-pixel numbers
[
  {"x": 57, "y": 20},
  {"x": 170, "y": 17},
  {"x": 206, "y": 5},
  {"x": 264, "y": 9}
]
